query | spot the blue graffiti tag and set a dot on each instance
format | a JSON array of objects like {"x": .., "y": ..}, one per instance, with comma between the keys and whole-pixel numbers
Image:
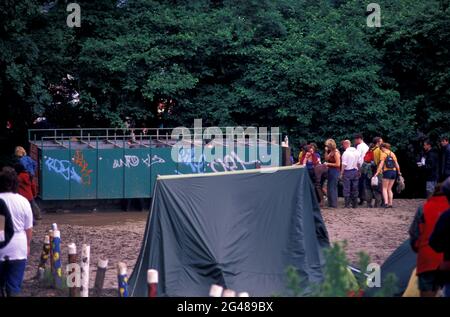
[
  {"x": 63, "y": 168},
  {"x": 131, "y": 161},
  {"x": 230, "y": 162},
  {"x": 187, "y": 157}
]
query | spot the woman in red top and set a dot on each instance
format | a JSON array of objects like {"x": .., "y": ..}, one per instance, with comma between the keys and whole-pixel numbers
[
  {"x": 27, "y": 188},
  {"x": 309, "y": 160}
]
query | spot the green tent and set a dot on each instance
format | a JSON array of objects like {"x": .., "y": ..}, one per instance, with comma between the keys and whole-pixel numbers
[{"x": 240, "y": 230}]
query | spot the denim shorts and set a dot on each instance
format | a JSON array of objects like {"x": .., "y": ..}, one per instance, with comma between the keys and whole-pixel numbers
[
  {"x": 391, "y": 174},
  {"x": 11, "y": 276}
]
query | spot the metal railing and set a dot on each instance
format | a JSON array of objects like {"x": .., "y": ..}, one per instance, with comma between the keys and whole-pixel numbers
[{"x": 145, "y": 137}]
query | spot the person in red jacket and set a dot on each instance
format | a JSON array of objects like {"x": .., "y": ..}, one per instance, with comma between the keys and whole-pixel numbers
[
  {"x": 428, "y": 260},
  {"x": 27, "y": 188}
]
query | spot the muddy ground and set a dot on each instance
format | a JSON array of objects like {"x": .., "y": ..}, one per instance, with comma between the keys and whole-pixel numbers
[{"x": 117, "y": 236}]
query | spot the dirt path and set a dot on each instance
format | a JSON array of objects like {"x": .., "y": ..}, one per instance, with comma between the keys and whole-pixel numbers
[
  {"x": 376, "y": 231},
  {"x": 117, "y": 236}
]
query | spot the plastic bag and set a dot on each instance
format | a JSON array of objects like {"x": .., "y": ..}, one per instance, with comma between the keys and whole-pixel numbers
[{"x": 374, "y": 181}]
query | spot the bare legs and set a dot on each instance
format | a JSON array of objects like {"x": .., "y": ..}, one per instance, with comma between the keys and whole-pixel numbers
[{"x": 388, "y": 195}]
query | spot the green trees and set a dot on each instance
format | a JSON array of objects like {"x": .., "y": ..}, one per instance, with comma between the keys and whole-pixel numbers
[
  {"x": 313, "y": 68},
  {"x": 416, "y": 46}
]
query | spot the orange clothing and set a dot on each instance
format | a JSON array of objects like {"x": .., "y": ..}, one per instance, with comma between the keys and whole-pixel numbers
[{"x": 384, "y": 155}]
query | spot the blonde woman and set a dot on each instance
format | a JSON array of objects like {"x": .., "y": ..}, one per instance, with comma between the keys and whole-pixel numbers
[
  {"x": 333, "y": 162},
  {"x": 390, "y": 169},
  {"x": 27, "y": 162},
  {"x": 30, "y": 166}
]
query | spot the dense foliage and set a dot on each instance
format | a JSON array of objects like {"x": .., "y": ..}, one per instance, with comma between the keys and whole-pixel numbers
[
  {"x": 314, "y": 68},
  {"x": 339, "y": 281}
]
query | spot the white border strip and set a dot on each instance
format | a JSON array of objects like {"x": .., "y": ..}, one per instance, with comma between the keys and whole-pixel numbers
[{"x": 249, "y": 171}]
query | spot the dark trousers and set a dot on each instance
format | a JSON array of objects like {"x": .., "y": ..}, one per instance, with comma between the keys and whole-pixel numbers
[
  {"x": 332, "y": 187},
  {"x": 368, "y": 190},
  {"x": 312, "y": 176},
  {"x": 35, "y": 209},
  {"x": 362, "y": 187},
  {"x": 351, "y": 183},
  {"x": 11, "y": 277},
  {"x": 320, "y": 175},
  {"x": 378, "y": 192}
]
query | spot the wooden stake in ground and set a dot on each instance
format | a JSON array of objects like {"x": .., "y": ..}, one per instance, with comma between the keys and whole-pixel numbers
[
  {"x": 122, "y": 278},
  {"x": 85, "y": 260},
  {"x": 41, "y": 274},
  {"x": 152, "y": 282},
  {"x": 215, "y": 291},
  {"x": 50, "y": 234},
  {"x": 44, "y": 257},
  {"x": 74, "y": 285},
  {"x": 54, "y": 227},
  {"x": 228, "y": 293},
  {"x": 57, "y": 259},
  {"x": 102, "y": 265}
]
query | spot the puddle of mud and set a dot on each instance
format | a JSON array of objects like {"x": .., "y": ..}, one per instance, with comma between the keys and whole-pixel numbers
[{"x": 93, "y": 219}]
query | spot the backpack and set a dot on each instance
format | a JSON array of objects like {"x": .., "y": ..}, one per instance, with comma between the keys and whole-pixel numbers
[
  {"x": 29, "y": 164},
  {"x": 6, "y": 225},
  {"x": 369, "y": 157},
  {"x": 389, "y": 162}
]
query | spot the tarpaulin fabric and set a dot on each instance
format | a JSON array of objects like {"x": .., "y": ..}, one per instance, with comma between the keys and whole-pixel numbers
[
  {"x": 240, "y": 230},
  {"x": 401, "y": 263}
]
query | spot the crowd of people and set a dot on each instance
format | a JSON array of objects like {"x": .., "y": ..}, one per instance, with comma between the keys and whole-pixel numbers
[{"x": 367, "y": 173}]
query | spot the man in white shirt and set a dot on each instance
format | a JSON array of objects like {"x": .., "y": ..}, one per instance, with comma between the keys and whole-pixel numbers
[
  {"x": 362, "y": 148},
  {"x": 13, "y": 255},
  {"x": 350, "y": 173}
]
